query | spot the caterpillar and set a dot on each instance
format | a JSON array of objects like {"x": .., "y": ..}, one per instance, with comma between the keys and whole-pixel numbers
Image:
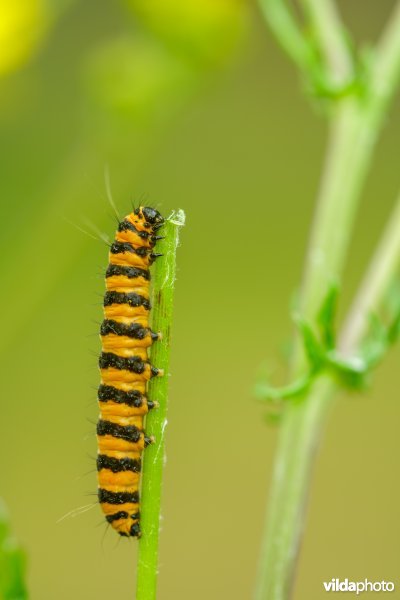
[{"x": 125, "y": 369}]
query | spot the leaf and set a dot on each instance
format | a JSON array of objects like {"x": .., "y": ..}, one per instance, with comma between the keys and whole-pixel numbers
[
  {"x": 394, "y": 330},
  {"x": 314, "y": 352},
  {"x": 265, "y": 391},
  {"x": 326, "y": 317},
  {"x": 351, "y": 372}
]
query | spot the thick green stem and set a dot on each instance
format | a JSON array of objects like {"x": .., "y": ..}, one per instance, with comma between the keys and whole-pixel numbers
[
  {"x": 156, "y": 421},
  {"x": 350, "y": 151},
  {"x": 303, "y": 421},
  {"x": 298, "y": 442},
  {"x": 355, "y": 126}
]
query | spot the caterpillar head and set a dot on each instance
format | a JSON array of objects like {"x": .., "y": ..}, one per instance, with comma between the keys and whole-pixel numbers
[{"x": 148, "y": 218}]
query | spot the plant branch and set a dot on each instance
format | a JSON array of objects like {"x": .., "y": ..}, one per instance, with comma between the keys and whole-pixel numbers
[
  {"x": 336, "y": 208},
  {"x": 355, "y": 126},
  {"x": 287, "y": 31},
  {"x": 331, "y": 39},
  {"x": 376, "y": 283},
  {"x": 386, "y": 66},
  {"x": 302, "y": 421},
  {"x": 156, "y": 421}
]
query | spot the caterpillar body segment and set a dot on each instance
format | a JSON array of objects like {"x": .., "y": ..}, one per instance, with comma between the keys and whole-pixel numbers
[{"x": 125, "y": 369}]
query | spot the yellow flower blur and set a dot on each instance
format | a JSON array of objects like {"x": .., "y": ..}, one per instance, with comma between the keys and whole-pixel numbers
[
  {"x": 22, "y": 26},
  {"x": 205, "y": 30}
]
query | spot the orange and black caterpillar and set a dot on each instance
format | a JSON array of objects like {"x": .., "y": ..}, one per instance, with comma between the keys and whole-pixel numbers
[{"x": 125, "y": 369}]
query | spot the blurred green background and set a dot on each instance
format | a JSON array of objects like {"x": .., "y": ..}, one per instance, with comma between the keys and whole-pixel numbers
[{"x": 189, "y": 105}]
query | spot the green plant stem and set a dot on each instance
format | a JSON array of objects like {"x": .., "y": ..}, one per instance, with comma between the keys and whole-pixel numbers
[
  {"x": 287, "y": 32},
  {"x": 12, "y": 561},
  {"x": 303, "y": 421},
  {"x": 156, "y": 421},
  {"x": 354, "y": 129},
  {"x": 349, "y": 149},
  {"x": 379, "y": 276},
  {"x": 385, "y": 68},
  {"x": 328, "y": 30},
  {"x": 306, "y": 425}
]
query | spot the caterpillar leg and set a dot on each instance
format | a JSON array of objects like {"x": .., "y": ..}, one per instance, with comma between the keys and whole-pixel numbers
[
  {"x": 149, "y": 440},
  {"x": 156, "y": 336},
  {"x": 157, "y": 372},
  {"x": 152, "y": 404}
]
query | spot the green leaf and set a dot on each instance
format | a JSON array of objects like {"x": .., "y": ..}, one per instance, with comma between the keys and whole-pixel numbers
[
  {"x": 394, "y": 329},
  {"x": 326, "y": 317},
  {"x": 314, "y": 352},
  {"x": 351, "y": 372},
  {"x": 267, "y": 392}
]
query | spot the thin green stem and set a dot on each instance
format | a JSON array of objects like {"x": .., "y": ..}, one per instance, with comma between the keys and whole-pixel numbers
[
  {"x": 379, "y": 276},
  {"x": 287, "y": 32},
  {"x": 356, "y": 123},
  {"x": 330, "y": 36},
  {"x": 324, "y": 54},
  {"x": 156, "y": 421},
  {"x": 386, "y": 66}
]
